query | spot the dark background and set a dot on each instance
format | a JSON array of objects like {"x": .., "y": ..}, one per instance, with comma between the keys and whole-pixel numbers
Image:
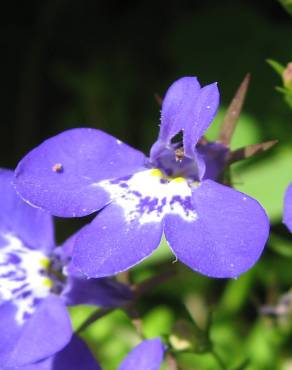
[
  {"x": 93, "y": 63},
  {"x": 98, "y": 63}
]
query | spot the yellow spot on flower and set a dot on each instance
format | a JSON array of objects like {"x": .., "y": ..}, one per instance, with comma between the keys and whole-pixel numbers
[
  {"x": 178, "y": 179},
  {"x": 195, "y": 184},
  {"x": 156, "y": 172},
  {"x": 48, "y": 283},
  {"x": 45, "y": 263}
]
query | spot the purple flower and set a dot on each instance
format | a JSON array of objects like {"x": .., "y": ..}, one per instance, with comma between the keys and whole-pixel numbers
[
  {"x": 148, "y": 355},
  {"x": 287, "y": 217},
  {"x": 75, "y": 356},
  {"x": 36, "y": 283},
  {"x": 213, "y": 229}
]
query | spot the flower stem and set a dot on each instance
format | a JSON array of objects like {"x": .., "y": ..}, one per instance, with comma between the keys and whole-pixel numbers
[
  {"x": 218, "y": 359},
  {"x": 138, "y": 290}
]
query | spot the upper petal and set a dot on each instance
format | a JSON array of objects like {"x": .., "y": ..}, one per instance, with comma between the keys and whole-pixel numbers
[
  {"x": 178, "y": 107},
  {"x": 204, "y": 111},
  {"x": 287, "y": 216},
  {"x": 148, "y": 355},
  {"x": 33, "y": 226},
  {"x": 62, "y": 174},
  {"x": 228, "y": 235},
  {"x": 189, "y": 108}
]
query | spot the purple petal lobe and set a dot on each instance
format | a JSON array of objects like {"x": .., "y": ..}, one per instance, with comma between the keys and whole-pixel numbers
[
  {"x": 24, "y": 278},
  {"x": 44, "y": 334},
  {"x": 214, "y": 155},
  {"x": 75, "y": 356},
  {"x": 34, "y": 227},
  {"x": 148, "y": 355},
  {"x": 188, "y": 108},
  {"x": 287, "y": 217},
  {"x": 9, "y": 329},
  {"x": 97, "y": 292},
  {"x": 177, "y": 107},
  {"x": 112, "y": 243},
  {"x": 203, "y": 113},
  {"x": 62, "y": 174},
  {"x": 228, "y": 235}
]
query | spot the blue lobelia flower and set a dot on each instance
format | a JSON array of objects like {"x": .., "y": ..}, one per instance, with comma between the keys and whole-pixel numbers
[
  {"x": 287, "y": 212},
  {"x": 75, "y": 356},
  {"x": 148, "y": 355},
  {"x": 213, "y": 229},
  {"x": 37, "y": 281}
]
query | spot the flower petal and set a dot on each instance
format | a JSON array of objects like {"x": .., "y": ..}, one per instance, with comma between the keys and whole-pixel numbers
[
  {"x": 103, "y": 292},
  {"x": 44, "y": 334},
  {"x": 177, "y": 107},
  {"x": 188, "y": 108},
  {"x": 111, "y": 243},
  {"x": 203, "y": 113},
  {"x": 62, "y": 174},
  {"x": 75, "y": 356},
  {"x": 228, "y": 236},
  {"x": 33, "y": 226},
  {"x": 287, "y": 217},
  {"x": 148, "y": 355}
]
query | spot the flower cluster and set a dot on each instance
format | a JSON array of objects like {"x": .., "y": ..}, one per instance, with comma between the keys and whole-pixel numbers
[
  {"x": 212, "y": 228},
  {"x": 37, "y": 282}
]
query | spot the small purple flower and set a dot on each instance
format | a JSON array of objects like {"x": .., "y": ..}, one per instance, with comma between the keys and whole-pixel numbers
[
  {"x": 75, "y": 356},
  {"x": 37, "y": 282},
  {"x": 287, "y": 214},
  {"x": 213, "y": 229},
  {"x": 148, "y": 355}
]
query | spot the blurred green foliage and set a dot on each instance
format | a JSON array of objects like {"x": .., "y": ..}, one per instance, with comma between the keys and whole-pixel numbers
[
  {"x": 99, "y": 64},
  {"x": 287, "y": 4}
]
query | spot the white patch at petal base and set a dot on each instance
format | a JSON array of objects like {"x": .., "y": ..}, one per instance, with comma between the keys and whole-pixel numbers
[
  {"x": 148, "y": 196},
  {"x": 23, "y": 278}
]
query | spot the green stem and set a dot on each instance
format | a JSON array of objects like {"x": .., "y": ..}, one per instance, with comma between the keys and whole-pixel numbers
[
  {"x": 98, "y": 314},
  {"x": 138, "y": 291},
  {"x": 218, "y": 359}
]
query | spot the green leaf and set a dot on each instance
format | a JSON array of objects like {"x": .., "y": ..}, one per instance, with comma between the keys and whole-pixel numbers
[
  {"x": 277, "y": 67},
  {"x": 287, "y": 5},
  {"x": 266, "y": 180},
  {"x": 158, "y": 322},
  {"x": 284, "y": 90},
  {"x": 236, "y": 294}
]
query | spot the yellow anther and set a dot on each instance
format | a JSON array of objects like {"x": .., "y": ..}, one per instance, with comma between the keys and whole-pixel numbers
[
  {"x": 156, "y": 172},
  {"x": 195, "y": 184},
  {"x": 45, "y": 263},
  {"x": 48, "y": 283},
  {"x": 178, "y": 179}
]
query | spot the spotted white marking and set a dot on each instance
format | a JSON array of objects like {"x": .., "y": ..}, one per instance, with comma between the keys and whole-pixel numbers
[
  {"x": 148, "y": 196},
  {"x": 23, "y": 279}
]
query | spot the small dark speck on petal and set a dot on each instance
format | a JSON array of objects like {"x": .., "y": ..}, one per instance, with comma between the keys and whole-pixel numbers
[{"x": 58, "y": 167}]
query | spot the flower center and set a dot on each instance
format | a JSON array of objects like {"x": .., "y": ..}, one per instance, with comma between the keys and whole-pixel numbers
[
  {"x": 149, "y": 195},
  {"x": 25, "y": 277},
  {"x": 174, "y": 164}
]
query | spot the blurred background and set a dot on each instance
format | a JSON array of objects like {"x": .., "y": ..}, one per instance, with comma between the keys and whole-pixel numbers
[{"x": 98, "y": 63}]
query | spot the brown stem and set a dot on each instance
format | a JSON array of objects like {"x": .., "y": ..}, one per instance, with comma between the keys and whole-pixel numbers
[
  {"x": 171, "y": 362},
  {"x": 233, "y": 112}
]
